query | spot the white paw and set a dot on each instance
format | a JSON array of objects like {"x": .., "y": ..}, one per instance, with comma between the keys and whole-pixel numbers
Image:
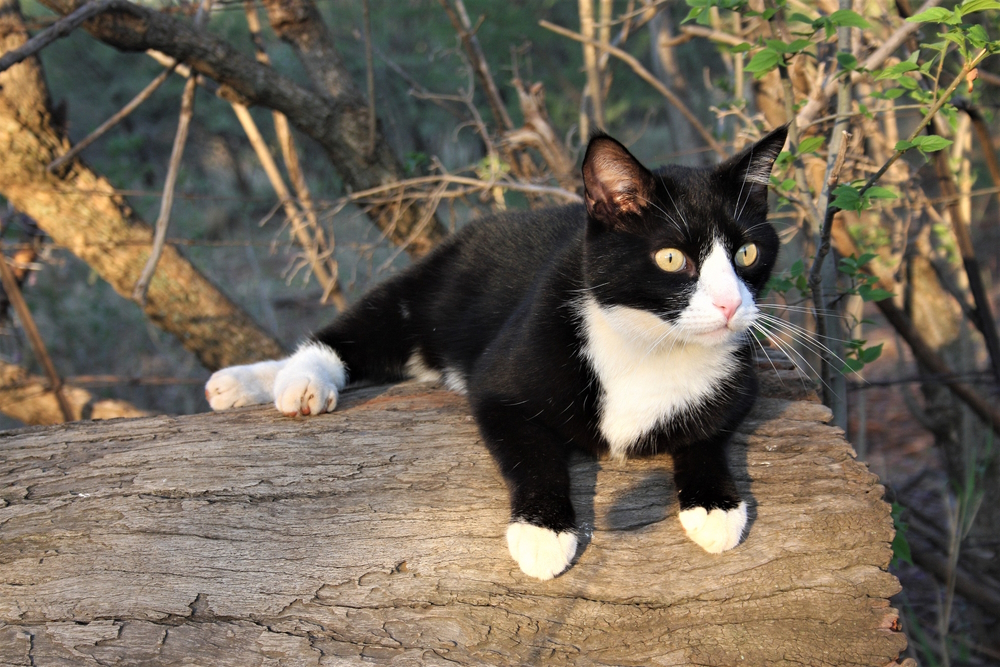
[
  {"x": 715, "y": 531},
  {"x": 309, "y": 382},
  {"x": 237, "y": 386},
  {"x": 540, "y": 552}
]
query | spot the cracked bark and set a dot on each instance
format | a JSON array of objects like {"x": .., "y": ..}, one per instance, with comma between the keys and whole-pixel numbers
[{"x": 376, "y": 534}]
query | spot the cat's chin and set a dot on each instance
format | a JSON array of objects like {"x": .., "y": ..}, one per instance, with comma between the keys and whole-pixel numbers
[{"x": 720, "y": 336}]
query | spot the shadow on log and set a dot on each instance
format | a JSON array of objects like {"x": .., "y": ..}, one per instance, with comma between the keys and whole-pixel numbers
[{"x": 376, "y": 534}]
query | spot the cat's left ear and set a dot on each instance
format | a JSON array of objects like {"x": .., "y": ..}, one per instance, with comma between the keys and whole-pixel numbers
[
  {"x": 617, "y": 188},
  {"x": 753, "y": 165}
]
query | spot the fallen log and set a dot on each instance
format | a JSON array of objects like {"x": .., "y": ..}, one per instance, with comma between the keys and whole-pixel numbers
[{"x": 376, "y": 534}]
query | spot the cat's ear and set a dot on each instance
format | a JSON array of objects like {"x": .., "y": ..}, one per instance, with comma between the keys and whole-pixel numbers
[
  {"x": 616, "y": 187},
  {"x": 753, "y": 165}
]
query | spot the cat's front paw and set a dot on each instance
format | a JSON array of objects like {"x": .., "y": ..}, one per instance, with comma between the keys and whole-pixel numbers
[
  {"x": 717, "y": 530},
  {"x": 309, "y": 382},
  {"x": 305, "y": 394},
  {"x": 540, "y": 552},
  {"x": 237, "y": 386}
]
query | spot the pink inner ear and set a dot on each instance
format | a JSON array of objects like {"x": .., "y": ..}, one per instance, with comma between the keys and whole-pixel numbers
[{"x": 615, "y": 181}]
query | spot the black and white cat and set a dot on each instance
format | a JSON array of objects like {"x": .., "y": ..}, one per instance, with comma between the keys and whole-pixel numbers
[{"x": 621, "y": 328}]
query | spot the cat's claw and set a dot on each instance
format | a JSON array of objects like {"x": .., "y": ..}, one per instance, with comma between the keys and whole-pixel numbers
[
  {"x": 309, "y": 381},
  {"x": 237, "y": 386},
  {"x": 304, "y": 395},
  {"x": 717, "y": 530},
  {"x": 540, "y": 552}
]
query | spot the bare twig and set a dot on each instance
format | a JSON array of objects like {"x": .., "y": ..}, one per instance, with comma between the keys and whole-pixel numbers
[
  {"x": 37, "y": 344},
  {"x": 176, "y": 153},
  {"x": 318, "y": 252},
  {"x": 460, "y": 21},
  {"x": 293, "y": 213},
  {"x": 646, "y": 76},
  {"x": 167, "y": 203},
  {"x": 57, "y": 30},
  {"x": 144, "y": 95},
  {"x": 593, "y": 89},
  {"x": 370, "y": 78}
]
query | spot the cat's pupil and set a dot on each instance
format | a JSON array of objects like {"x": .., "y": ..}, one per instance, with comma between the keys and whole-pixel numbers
[
  {"x": 670, "y": 259},
  {"x": 746, "y": 255}
]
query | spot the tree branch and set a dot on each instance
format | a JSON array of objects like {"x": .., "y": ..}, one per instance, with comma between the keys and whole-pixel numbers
[
  {"x": 337, "y": 122},
  {"x": 57, "y": 30}
]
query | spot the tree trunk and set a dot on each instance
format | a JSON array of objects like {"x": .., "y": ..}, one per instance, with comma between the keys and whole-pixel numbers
[
  {"x": 28, "y": 399},
  {"x": 336, "y": 117},
  {"x": 80, "y": 210},
  {"x": 376, "y": 534}
]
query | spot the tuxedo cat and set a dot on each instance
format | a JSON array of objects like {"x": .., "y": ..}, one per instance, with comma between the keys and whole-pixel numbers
[{"x": 620, "y": 327}]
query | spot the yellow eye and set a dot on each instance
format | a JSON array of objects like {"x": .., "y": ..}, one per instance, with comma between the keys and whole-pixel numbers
[
  {"x": 746, "y": 255},
  {"x": 670, "y": 259}
]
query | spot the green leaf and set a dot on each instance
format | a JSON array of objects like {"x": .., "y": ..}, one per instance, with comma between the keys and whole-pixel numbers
[
  {"x": 878, "y": 192},
  {"x": 797, "y": 268},
  {"x": 693, "y": 14},
  {"x": 931, "y": 143},
  {"x": 848, "y": 18},
  {"x": 787, "y": 184},
  {"x": 870, "y": 354},
  {"x": 904, "y": 145},
  {"x": 977, "y": 36},
  {"x": 801, "y": 18},
  {"x": 897, "y": 70},
  {"x": 865, "y": 258},
  {"x": 873, "y": 293},
  {"x": 852, "y": 365},
  {"x": 847, "y": 60},
  {"x": 846, "y": 198},
  {"x": 932, "y": 15},
  {"x": 740, "y": 48},
  {"x": 763, "y": 62},
  {"x": 810, "y": 145},
  {"x": 972, "y": 6}
]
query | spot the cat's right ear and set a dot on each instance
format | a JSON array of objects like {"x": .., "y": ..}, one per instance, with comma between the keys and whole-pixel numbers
[{"x": 616, "y": 187}]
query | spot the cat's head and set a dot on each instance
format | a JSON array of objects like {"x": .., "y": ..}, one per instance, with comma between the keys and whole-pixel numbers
[{"x": 680, "y": 252}]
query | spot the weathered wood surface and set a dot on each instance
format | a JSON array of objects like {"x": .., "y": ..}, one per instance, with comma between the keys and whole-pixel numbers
[{"x": 376, "y": 534}]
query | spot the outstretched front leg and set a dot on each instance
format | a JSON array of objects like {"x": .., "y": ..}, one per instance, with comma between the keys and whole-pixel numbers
[
  {"x": 535, "y": 465},
  {"x": 711, "y": 511},
  {"x": 306, "y": 383},
  {"x": 372, "y": 340}
]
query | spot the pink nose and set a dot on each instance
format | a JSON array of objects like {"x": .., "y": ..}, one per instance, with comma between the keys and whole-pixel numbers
[{"x": 728, "y": 306}]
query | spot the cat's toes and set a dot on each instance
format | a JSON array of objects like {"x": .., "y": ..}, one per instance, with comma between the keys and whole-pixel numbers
[
  {"x": 232, "y": 388},
  {"x": 540, "y": 552},
  {"x": 304, "y": 395},
  {"x": 717, "y": 530}
]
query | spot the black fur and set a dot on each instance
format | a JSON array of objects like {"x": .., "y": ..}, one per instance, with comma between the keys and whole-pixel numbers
[{"x": 497, "y": 304}]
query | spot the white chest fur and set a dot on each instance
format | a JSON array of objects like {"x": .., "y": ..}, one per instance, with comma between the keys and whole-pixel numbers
[{"x": 647, "y": 373}]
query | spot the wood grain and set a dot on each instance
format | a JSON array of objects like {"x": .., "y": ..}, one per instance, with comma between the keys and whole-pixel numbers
[{"x": 377, "y": 534}]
